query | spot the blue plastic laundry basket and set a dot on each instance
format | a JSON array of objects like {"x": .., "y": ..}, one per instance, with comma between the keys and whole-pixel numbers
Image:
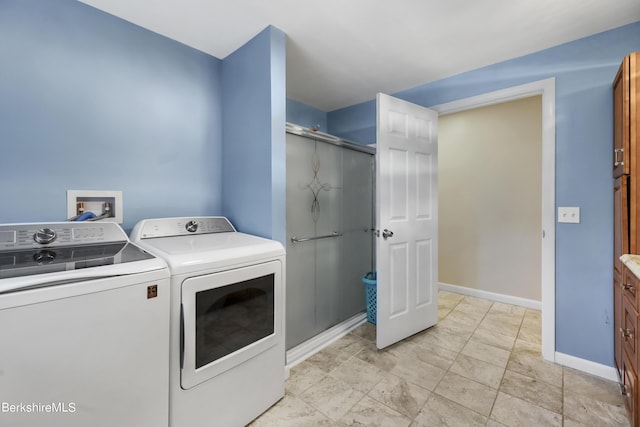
[{"x": 370, "y": 281}]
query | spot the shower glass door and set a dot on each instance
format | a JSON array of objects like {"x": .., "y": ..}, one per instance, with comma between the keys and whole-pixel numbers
[{"x": 329, "y": 235}]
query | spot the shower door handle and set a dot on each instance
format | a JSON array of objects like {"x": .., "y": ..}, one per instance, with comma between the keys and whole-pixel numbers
[{"x": 386, "y": 234}]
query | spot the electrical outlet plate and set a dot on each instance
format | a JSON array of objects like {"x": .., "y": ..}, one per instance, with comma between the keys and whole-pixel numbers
[
  {"x": 571, "y": 215},
  {"x": 94, "y": 201}
]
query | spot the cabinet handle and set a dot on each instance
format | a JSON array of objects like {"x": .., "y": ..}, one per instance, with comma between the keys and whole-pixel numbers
[
  {"x": 627, "y": 287},
  {"x": 626, "y": 333},
  {"x": 617, "y": 162}
]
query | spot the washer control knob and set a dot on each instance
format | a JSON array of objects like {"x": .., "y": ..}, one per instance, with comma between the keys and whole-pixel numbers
[
  {"x": 45, "y": 236},
  {"x": 192, "y": 226}
]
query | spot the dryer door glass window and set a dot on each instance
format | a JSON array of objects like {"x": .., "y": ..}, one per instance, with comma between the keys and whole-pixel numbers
[{"x": 231, "y": 317}]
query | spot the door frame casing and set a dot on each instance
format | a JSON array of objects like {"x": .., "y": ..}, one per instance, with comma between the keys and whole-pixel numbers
[{"x": 545, "y": 88}]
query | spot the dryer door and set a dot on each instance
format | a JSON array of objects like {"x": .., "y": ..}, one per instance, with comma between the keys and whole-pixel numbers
[{"x": 228, "y": 318}]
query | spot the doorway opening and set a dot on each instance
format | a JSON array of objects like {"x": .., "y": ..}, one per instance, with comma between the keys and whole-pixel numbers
[
  {"x": 546, "y": 90},
  {"x": 490, "y": 201}
]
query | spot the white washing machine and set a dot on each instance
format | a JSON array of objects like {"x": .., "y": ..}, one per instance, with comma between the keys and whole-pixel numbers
[
  {"x": 84, "y": 328},
  {"x": 227, "y": 352}
]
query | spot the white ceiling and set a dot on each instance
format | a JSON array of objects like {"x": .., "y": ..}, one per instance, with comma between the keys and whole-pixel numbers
[{"x": 342, "y": 52}]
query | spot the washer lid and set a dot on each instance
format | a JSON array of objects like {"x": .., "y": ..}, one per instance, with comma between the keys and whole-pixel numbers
[
  {"x": 66, "y": 258},
  {"x": 186, "y": 254}
]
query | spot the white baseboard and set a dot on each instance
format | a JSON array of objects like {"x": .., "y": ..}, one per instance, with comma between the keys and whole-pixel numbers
[
  {"x": 507, "y": 299},
  {"x": 313, "y": 345},
  {"x": 593, "y": 368}
]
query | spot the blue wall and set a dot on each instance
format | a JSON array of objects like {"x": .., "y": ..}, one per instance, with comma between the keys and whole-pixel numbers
[
  {"x": 584, "y": 70},
  {"x": 305, "y": 115},
  {"x": 278, "y": 73},
  {"x": 89, "y": 101},
  {"x": 253, "y": 175}
]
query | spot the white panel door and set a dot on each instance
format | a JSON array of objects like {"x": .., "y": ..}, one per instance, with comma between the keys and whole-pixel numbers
[{"x": 407, "y": 219}]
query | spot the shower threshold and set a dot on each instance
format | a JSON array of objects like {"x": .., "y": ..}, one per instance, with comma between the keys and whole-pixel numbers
[{"x": 313, "y": 345}]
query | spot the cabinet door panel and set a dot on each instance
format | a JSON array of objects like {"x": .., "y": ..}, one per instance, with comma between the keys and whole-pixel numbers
[
  {"x": 621, "y": 120},
  {"x": 620, "y": 221},
  {"x": 629, "y": 130},
  {"x": 629, "y": 331},
  {"x": 617, "y": 324},
  {"x": 630, "y": 383},
  {"x": 634, "y": 107}
]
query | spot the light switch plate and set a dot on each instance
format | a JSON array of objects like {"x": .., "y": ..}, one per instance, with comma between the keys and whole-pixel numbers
[{"x": 571, "y": 215}]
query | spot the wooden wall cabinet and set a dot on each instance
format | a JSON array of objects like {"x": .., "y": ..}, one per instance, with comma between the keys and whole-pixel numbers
[
  {"x": 626, "y": 153},
  {"x": 621, "y": 116},
  {"x": 626, "y": 171}
]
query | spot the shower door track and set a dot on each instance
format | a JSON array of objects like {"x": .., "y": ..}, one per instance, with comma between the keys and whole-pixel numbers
[{"x": 330, "y": 139}]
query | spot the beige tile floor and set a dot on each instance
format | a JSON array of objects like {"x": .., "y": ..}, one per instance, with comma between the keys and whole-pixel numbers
[{"x": 479, "y": 366}]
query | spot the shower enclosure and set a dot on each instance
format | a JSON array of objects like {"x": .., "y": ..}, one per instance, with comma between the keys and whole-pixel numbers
[{"x": 330, "y": 218}]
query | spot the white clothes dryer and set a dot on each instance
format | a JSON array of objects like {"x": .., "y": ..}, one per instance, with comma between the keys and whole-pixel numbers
[{"x": 227, "y": 353}]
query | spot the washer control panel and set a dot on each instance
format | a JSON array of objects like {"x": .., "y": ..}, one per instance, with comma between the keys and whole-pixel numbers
[
  {"x": 28, "y": 236},
  {"x": 168, "y": 227}
]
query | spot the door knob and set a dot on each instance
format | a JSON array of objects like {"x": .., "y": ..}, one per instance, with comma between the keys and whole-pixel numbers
[{"x": 386, "y": 234}]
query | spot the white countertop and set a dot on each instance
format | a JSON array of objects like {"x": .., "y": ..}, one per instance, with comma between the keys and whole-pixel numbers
[{"x": 632, "y": 262}]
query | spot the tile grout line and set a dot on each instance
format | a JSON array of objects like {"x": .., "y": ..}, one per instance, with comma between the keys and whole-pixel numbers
[
  {"x": 512, "y": 347},
  {"x": 364, "y": 394},
  {"x": 504, "y": 372},
  {"x": 411, "y": 419},
  {"x": 456, "y": 358},
  {"x": 431, "y": 392},
  {"x": 521, "y": 322},
  {"x": 505, "y": 368}
]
